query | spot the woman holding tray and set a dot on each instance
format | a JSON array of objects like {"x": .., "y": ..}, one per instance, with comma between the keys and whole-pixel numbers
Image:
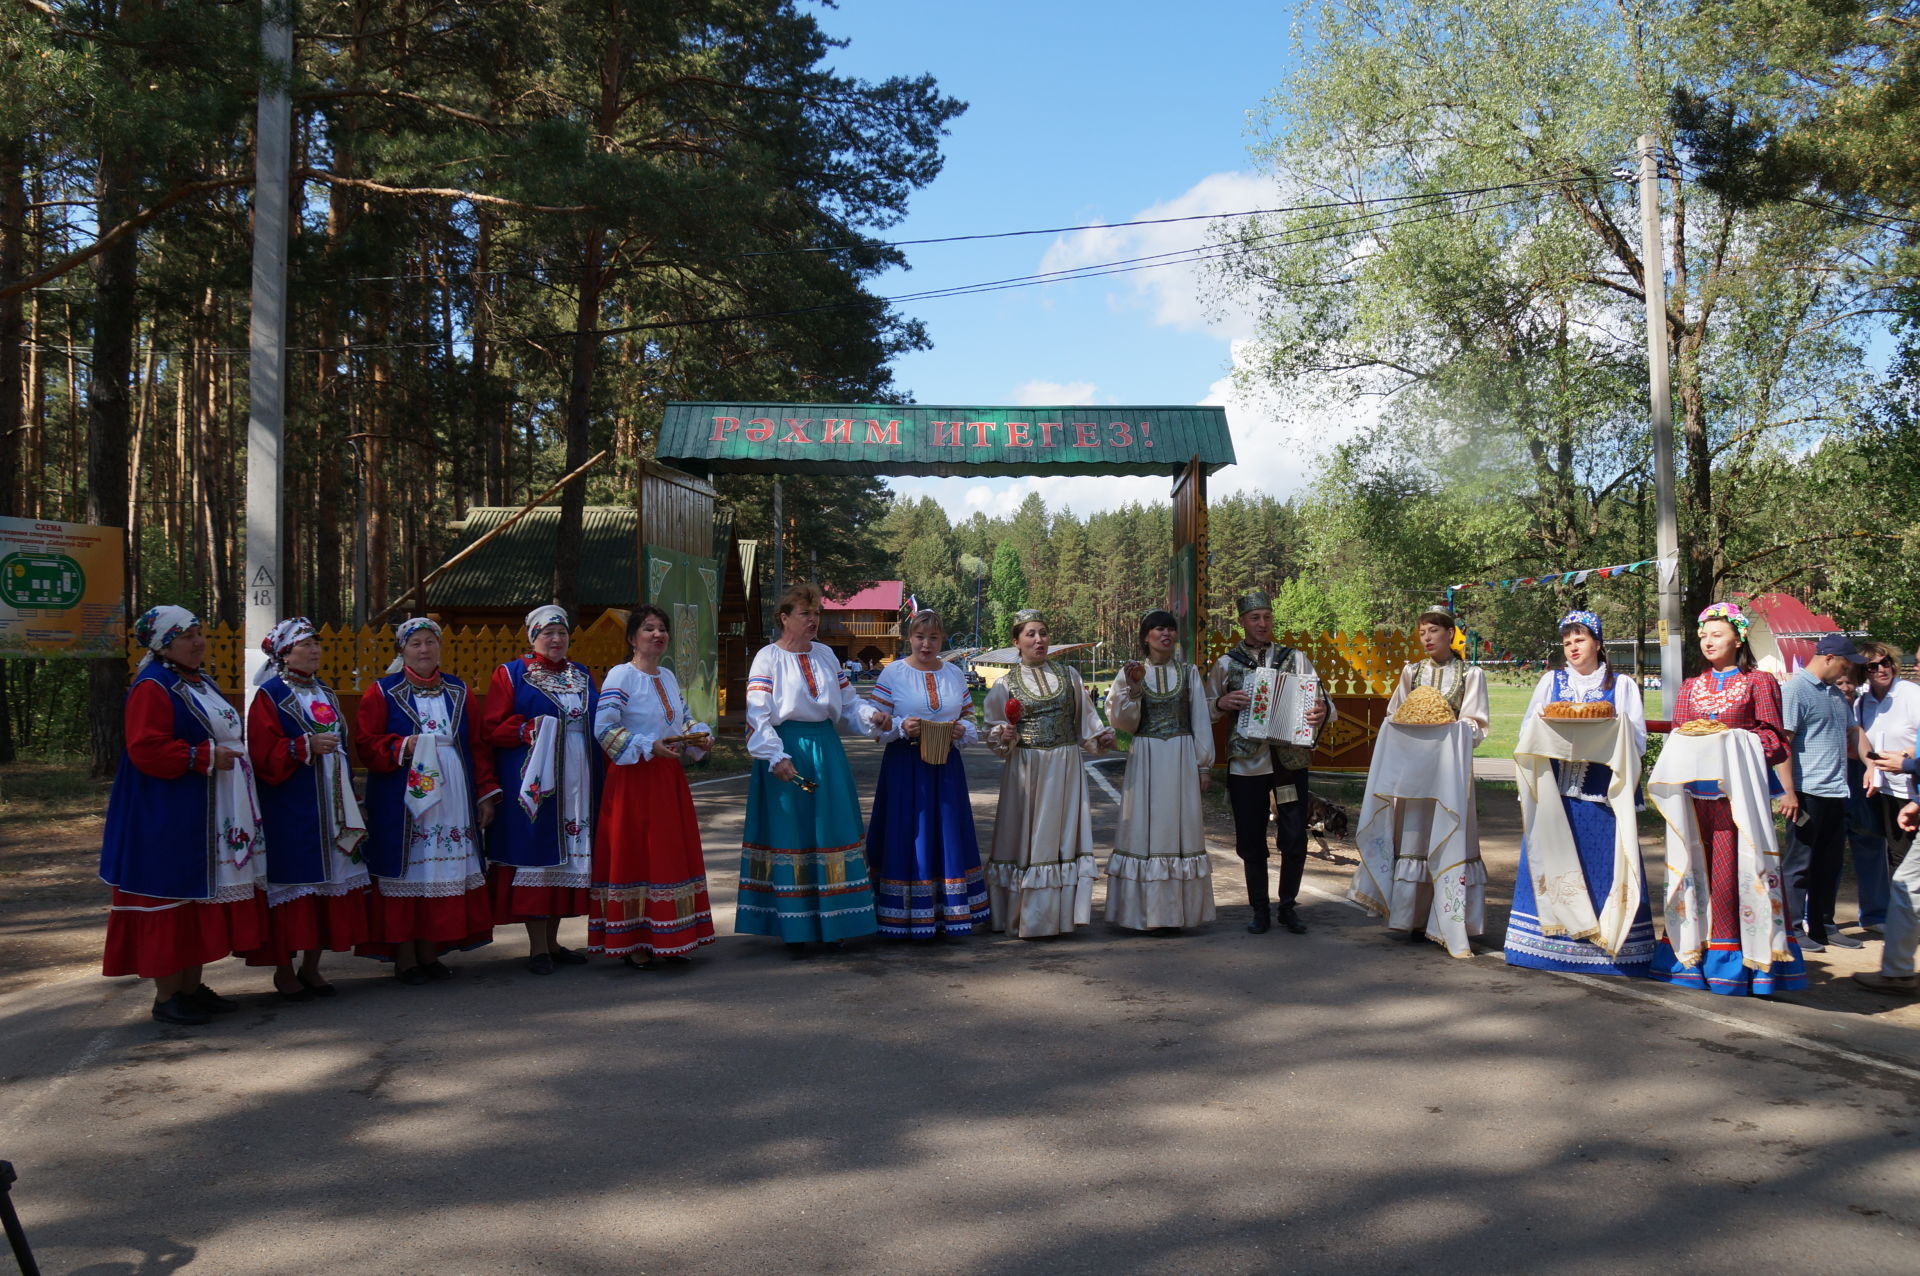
[
  {"x": 1735, "y": 692},
  {"x": 1159, "y": 876},
  {"x": 927, "y": 879},
  {"x": 1420, "y": 864},
  {"x": 1586, "y": 848},
  {"x": 649, "y": 872},
  {"x": 803, "y": 867},
  {"x": 1040, "y": 718}
]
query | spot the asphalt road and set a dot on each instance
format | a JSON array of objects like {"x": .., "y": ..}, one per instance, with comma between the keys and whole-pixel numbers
[{"x": 1106, "y": 1102}]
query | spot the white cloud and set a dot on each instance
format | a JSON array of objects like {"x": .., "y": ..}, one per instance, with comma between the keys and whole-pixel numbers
[
  {"x": 1278, "y": 449},
  {"x": 1054, "y": 394},
  {"x": 1173, "y": 293}
]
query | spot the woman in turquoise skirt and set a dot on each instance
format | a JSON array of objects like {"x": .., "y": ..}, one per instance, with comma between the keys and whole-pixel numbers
[{"x": 803, "y": 863}]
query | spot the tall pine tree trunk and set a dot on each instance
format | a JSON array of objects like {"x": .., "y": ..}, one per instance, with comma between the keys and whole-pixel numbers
[
  {"x": 586, "y": 351},
  {"x": 13, "y": 227},
  {"x": 109, "y": 422}
]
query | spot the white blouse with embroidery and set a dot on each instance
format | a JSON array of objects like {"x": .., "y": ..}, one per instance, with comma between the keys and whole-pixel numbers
[
  {"x": 790, "y": 686},
  {"x": 938, "y": 695},
  {"x": 637, "y": 710}
]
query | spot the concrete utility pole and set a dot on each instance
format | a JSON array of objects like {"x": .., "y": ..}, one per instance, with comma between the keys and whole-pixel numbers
[
  {"x": 1653, "y": 268},
  {"x": 779, "y": 546},
  {"x": 267, "y": 333}
]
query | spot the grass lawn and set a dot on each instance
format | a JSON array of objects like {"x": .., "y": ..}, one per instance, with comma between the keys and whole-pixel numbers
[{"x": 1506, "y": 702}]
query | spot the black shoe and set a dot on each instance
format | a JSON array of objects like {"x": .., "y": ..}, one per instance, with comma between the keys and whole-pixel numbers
[
  {"x": 437, "y": 970},
  {"x": 180, "y": 1010},
  {"x": 1415, "y": 935},
  {"x": 798, "y": 952},
  {"x": 298, "y": 994},
  {"x": 635, "y": 961},
  {"x": 541, "y": 963},
  {"x": 210, "y": 1001},
  {"x": 412, "y": 976},
  {"x": 316, "y": 985},
  {"x": 567, "y": 956},
  {"x": 676, "y": 959},
  {"x": 1262, "y": 920},
  {"x": 1837, "y": 940},
  {"x": 1291, "y": 919},
  {"x": 832, "y": 947}
]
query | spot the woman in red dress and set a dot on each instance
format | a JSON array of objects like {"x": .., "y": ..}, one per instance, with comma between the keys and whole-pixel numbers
[
  {"x": 430, "y": 790},
  {"x": 183, "y": 848},
  {"x": 540, "y": 848},
  {"x": 317, "y": 882},
  {"x": 649, "y": 873},
  {"x": 1734, "y": 691}
]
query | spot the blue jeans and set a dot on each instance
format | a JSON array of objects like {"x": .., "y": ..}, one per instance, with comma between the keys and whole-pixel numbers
[{"x": 1812, "y": 862}]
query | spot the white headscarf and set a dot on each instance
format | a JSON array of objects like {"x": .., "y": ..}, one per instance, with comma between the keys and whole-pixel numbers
[
  {"x": 540, "y": 617},
  {"x": 281, "y": 639},
  {"x": 159, "y": 626},
  {"x": 405, "y": 630}
]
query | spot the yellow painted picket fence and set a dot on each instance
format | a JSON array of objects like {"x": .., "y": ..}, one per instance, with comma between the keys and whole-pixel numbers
[
  {"x": 355, "y": 659},
  {"x": 1361, "y": 663}
]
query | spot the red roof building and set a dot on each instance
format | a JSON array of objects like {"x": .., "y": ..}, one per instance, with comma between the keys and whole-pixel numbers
[
  {"x": 1780, "y": 625},
  {"x": 866, "y": 626}
]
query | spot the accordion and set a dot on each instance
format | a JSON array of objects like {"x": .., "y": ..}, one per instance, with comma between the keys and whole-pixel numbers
[{"x": 1277, "y": 705}]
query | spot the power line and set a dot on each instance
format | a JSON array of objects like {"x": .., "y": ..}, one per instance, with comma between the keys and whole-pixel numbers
[
  {"x": 1439, "y": 201},
  {"x": 822, "y": 249}
]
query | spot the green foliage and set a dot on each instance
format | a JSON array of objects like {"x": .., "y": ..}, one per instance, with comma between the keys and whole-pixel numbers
[
  {"x": 1502, "y": 332},
  {"x": 1006, "y": 590},
  {"x": 520, "y": 230}
]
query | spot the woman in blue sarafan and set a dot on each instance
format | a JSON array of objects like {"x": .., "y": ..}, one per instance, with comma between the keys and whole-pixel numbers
[
  {"x": 921, "y": 848},
  {"x": 183, "y": 846},
  {"x": 430, "y": 792},
  {"x": 538, "y": 721},
  {"x": 1586, "y": 677}
]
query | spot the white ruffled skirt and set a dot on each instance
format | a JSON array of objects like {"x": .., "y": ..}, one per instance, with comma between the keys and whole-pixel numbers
[
  {"x": 1159, "y": 873},
  {"x": 1041, "y": 870}
]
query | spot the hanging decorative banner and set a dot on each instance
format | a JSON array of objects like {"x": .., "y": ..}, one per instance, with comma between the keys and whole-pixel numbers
[{"x": 1578, "y": 577}]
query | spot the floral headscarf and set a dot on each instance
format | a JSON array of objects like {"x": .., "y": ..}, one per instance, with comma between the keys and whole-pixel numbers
[
  {"x": 159, "y": 626},
  {"x": 285, "y": 636},
  {"x": 281, "y": 639},
  {"x": 1585, "y": 619},
  {"x": 408, "y": 628},
  {"x": 540, "y": 617},
  {"x": 1729, "y": 612},
  {"x": 405, "y": 630}
]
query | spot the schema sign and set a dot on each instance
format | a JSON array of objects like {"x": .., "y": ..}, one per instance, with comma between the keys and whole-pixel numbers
[
  {"x": 911, "y": 439},
  {"x": 61, "y": 589}
]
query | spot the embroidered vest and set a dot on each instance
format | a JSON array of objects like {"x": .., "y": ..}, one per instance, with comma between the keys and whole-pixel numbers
[
  {"x": 1045, "y": 723},
  {"x": 1165, "y": 715},
  {"x": 1586, "y": 780},
  {"x": 1429, "y": 674}
]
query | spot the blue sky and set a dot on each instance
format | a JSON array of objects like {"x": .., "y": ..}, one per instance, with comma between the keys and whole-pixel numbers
[{"x": 1079, "y": 114}]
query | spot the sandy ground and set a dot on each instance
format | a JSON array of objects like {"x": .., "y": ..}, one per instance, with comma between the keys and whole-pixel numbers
[{"x": 1216, "y": 1102}]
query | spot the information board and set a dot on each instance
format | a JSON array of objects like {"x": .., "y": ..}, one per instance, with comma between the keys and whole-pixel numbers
[{"x": 62, "y": 590}]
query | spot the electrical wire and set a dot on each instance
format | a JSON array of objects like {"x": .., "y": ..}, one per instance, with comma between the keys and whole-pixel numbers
[
  {"x": 816, "y": 249},
  {"x": 1440, "y": 201}
]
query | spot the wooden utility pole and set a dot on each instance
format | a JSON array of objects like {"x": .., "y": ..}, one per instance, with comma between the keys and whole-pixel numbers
[
  {"x": 267, "y": 333},
  {"x": 1653, "y": 267}
]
